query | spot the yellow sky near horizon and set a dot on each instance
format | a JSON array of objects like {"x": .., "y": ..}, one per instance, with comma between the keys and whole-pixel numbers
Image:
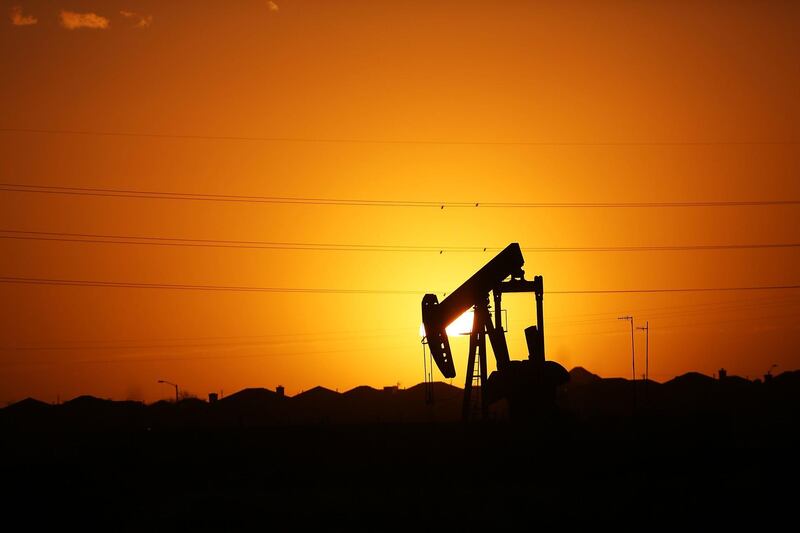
[{"x": 654, "y": 102}]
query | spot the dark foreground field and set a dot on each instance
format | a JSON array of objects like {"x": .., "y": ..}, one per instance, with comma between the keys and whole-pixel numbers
[
  {"x": 694, "y": 451},
  {"x": 626, "y": 471}
]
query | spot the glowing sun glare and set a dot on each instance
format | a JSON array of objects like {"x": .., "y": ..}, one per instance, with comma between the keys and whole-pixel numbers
[{"x": 460, "y": 326}]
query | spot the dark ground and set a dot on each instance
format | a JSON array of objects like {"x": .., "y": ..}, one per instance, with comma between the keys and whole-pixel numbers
[
  {"x": 700, "y": 452},
  {"x": 389, "y": 476}
]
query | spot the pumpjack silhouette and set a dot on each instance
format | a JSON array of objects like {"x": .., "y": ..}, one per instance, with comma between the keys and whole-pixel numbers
[{"x": 529, "y": 386}]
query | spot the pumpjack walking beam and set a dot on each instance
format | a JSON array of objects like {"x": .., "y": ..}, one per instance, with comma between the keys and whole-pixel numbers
[{"x": 436, "y": 316}]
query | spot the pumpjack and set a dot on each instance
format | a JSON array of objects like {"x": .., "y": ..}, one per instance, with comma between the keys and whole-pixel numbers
[{"x": 529, "y": 386}]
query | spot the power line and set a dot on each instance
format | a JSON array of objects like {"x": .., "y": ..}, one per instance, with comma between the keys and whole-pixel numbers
[
  {"x": 608, "y": 315},
  {"x": 682, "y": 289},
  {"x": 318, "y": 290},
  {"x": 166, "y": 195},
  {"x": 684, "y": 325},
  {"x": 184, "y": 358},
  {"x": 234, "y": 340},
  {"x": 685, "y": 310},
  {"x": 269, "y": 245},
  {"x": 345, "y": 350},
  {"x": 707, "y": 308},
  {"x": 175, "y": 286},
  {"x": 364, "y": 140},
  {"x": 276, "y": 245},
  {"x": 127, "y": 193},
  {"x": 308, "y": 337},
  {"x": 198, "y": 344}
]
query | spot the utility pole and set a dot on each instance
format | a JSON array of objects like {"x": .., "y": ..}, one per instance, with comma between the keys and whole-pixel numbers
[
  {"x": 646, "y": 330},
  {"x": 633, "y": 357},
  {"x": 174, "y": 385}
]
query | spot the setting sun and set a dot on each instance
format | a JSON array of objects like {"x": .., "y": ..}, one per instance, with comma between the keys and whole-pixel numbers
[{"x": 460, "y": 326}]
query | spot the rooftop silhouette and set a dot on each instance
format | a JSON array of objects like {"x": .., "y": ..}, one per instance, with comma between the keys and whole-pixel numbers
[{"x": 585, "y": 395}]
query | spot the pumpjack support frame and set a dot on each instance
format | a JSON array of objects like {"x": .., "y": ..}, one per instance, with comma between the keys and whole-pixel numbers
[{"x": 520, "y": 382}]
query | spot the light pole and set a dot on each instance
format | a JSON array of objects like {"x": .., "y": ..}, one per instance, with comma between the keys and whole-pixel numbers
[
  {"x": 768, "y": 375},
  {"x": 633, "y": 356},
  {"x": 174, "y": 385},
  {"x": 646, "y": 330}
]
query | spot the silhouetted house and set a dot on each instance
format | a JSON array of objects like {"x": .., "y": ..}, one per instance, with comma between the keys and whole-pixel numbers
[
  {"x": 445, "y": 407},
  {"x": 318, "y": 405},
  {"x": 279, "y": 389},
  {"x": 27, "y": 405},
  {"x": 784, "y": 393},
  {"x": 579, "y": 376},
  {"x": 690, "y": 392},
  {"x": 27, "y": 414},
  {"x": 256, "y": 397},
  {"x": 363, "y": 394},
  {"x": 722, "y": 374},
  {"x": 367, "y": 404},
  {"x": 91, "y": 412},
  {"x": 212, "y": 397},
  {"x": 391, "y": 389},
  {"x": 253, "y": 407},
  {"x": 789, "y": 379}
]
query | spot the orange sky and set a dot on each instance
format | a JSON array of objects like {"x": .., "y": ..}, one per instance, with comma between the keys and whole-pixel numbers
[{"x": 561, "y": 72}]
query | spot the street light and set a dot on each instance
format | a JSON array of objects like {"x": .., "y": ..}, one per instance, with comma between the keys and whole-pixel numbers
[
  {"x": 633, "y": 349},
  {"x": 768, "y": 375},
  {"x": 174, "y": 385},
  {"x": 646, "y": 330},
  {"x": 633, "y": 357}
]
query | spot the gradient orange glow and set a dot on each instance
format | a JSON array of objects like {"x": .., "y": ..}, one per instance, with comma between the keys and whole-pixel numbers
[{"x": 675, "y": 93}]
